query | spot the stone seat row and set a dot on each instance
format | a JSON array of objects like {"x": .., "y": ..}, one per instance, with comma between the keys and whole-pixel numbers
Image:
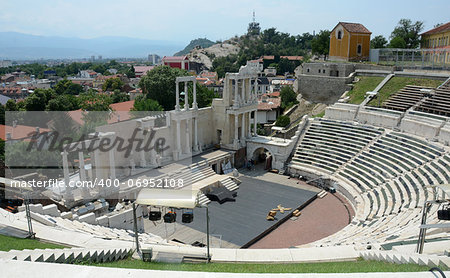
[
  {"x": 438, "y": 103},
  {"x": 67, "y": 255},
  {"x": 405, "y": 98}
]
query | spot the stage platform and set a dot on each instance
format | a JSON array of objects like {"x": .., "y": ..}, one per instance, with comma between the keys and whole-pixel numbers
[{"x": 243, "y": 221}]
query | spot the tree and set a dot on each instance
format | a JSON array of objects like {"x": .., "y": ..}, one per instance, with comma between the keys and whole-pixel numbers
[
  {"x": 159, "y": 84},
  {"x": 288, "y": 97},
  {"x": 99, "y": 68},
  {"x": 2, "y": 114},
  {"x": 408, "y": 31},
  {"x": 93, "y": 101},
  {"x": 63, "y": 103},
  {"x": 321, "y": 43},
  {"x": 204, "y": 96},
  {"x": 131, "y": 73},
  {"x": 38, "y": 100},
  {"x": 67, "y": 87},
  {"x": 11, "y": 105},
  {"x": 378, "y": 42},
  {"x": 397, "y": 42},
  {"x": 284, "y": 65},
  {"x": 142, "y": 103},
  {"x": 283, "y": 121},
  {"x": 119, "y": 96},
  {"x": 112, "y": 84}
]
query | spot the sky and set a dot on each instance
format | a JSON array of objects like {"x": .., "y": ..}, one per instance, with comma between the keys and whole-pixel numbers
[{"x": 184, "y": 20}]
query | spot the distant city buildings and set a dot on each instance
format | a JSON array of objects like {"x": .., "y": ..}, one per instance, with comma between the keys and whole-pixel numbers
[
  {"x": 154, "y": 59},
  {"x": 5, "y": 64}
]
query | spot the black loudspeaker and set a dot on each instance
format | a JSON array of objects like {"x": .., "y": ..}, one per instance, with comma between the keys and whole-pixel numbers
[
  {"x": 170, "y": 217},
  {"x": 187, "y": 217},
  {"x": 444, "y": 214},
  {"x": 154, "y": 215}
]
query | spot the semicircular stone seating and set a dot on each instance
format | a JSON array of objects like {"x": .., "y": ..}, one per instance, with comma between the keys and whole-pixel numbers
[{"x": 387, "y": 173}]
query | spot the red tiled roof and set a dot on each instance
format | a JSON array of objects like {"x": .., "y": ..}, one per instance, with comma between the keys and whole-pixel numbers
[
  {"x": 292, "y": 58},
  {"x": 212, "y": 74},
  {"x": 274, "y": 94},
  {"x": 143, "y": 69},
  {"x": 20, "y": 131},
  {"x": 439, "y": 29},
  {"x": 121, "y": 109},
  {"x": 354, "y": 27},
  {"x": 269, "y": 104},
  {"x": 268, "y": 57},
  {"x": 105, "y": 77},
  {"x": 122, "y": 106},
  {"x": 174, "y": 58}
]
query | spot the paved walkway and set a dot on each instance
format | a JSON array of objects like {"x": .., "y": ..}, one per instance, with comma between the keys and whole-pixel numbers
[
  {"x": 50, "y": 270},
  {"x": 321, "y": 218}
]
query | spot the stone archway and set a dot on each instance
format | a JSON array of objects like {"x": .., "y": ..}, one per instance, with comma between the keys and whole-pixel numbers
[{"x": 263, "y": 157}]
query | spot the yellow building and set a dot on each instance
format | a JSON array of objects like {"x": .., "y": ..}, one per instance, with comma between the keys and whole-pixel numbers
[
  {"x": 437, "y": 40},
  {"x": 349, "y": 42}
]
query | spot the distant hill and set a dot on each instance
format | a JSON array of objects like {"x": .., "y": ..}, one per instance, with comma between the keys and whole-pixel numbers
[
  {"x": 202, "y": 42},
  {"x": 19, "y": 46}
]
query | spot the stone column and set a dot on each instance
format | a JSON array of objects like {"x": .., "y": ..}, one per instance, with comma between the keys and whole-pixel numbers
[
  {"x": 188, "y": 135},
  {"x": 236, "y": 91},
  {"x": 97, "y": 164},
  {"x": 243, "y": 96},
  {"x": 177, "y": 106},
  {"x": 236, "y": 139},
  {"x": 153, "y": 156},
  {"x": 65, "y": 169},
  {"x": 82, "y": 170},
  {"x": 112, "y": 165},
  {"x": 195, "y": 134},
  {"x": 243, "y": 128},
  {"x": 142, "y": 152},
  {"x": 254, "y": 123},
  {"x": 194, "y": 102},
  {"x": 255, "y": 93},
  {"x": 186, "y": 97},
  {"x": 249, "y": 132},
  {"x": 178, "y": 149}
]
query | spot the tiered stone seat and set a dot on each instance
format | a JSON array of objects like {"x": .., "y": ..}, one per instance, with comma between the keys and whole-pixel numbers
[
  {"x": 67, "y": 255},
  {"x": 390, "y": 172},
  {"x": 438, "y": 103},
  {"x": 405, "y": 98},
  {"x": 327, "y": 145}
]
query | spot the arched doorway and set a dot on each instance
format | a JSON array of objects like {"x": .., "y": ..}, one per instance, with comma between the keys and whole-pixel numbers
[{"x": 262, "y": 158}]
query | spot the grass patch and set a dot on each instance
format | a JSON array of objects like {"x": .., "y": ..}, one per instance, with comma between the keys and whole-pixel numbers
[
  {"x": 331, "y": 267},
  {"x": 360, "y": 88},
  {"x": 396, "y": 83},
  {"x": 8, "y": 243},
  {"x": 320, "y": 115}
]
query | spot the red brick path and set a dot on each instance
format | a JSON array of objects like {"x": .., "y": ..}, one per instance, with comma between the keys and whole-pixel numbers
[{"x": 319, "y": 219}]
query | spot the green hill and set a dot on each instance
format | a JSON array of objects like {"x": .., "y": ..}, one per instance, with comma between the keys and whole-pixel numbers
[{"x": 202, "y": 42}]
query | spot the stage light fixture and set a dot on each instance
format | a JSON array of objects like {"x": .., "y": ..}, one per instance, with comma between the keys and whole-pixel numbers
[
  {"x": 187, "y": 217},
  {"x": 444, "y": 214},
  {"x": 170, "y": 217}
]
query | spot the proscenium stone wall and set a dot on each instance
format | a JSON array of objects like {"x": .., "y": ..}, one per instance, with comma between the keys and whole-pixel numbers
[{"x": 322, "y": 89}]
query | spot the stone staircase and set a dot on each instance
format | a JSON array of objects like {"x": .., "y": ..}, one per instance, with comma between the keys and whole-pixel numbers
[
  {"x": 203, "y": 200},
  {"x": 229, "y": 184},
  {"x": 406, "y": 258},
  {"x": 67, "y": 255}
]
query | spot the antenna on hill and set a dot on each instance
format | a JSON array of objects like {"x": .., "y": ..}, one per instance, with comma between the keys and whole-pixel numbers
[{"x": 254, "y": 19}]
